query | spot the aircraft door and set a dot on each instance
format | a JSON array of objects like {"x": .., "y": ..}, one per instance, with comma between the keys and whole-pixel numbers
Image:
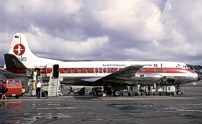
[
  {"x": 38, "y": 71},
  {"x": 56, "y": 71}
]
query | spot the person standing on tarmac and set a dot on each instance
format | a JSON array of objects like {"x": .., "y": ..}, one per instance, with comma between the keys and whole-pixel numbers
[
  {"x": 61, "y": 88},
  {"x": 38, "y": 89},
  {"x": 33, "y": 88},
  {"x": 3, "y": 91}
]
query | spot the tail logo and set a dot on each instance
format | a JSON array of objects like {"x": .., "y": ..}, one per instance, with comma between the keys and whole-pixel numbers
[{"x": 19, "y": 49}]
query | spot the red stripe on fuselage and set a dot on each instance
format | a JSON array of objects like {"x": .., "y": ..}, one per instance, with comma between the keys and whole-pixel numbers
[
  {"x": 91, "y": 70},
  {"x": 17, "y": 71}
]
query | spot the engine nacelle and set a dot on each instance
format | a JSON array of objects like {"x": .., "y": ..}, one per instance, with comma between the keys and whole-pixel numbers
[{"x": 147, "y": 76}]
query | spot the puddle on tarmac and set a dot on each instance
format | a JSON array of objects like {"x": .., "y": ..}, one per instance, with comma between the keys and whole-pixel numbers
[
  {"x": 29, "y": 118},
  {"x": 131, "y": 107},
  {"x": 10, "y": 106},
  {"x": 93, "y": 119}
]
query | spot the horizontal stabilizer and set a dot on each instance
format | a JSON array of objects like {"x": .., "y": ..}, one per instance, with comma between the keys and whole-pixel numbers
[{"x": 12, "y": 62}]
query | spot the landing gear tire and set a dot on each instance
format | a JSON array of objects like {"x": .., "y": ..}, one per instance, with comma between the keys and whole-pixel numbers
[
  {"x": 141, "y": 93},
  {"x": 179, "y": 93},
  {"x": 117, "y": 93},
  {"x": 159, "y": 94},
  {"x": 168, "y": 94},
  {"x": 129, "y": 94}
]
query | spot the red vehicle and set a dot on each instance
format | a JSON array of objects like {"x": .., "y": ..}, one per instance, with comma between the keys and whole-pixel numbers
[{"x": 14, "y": 87}]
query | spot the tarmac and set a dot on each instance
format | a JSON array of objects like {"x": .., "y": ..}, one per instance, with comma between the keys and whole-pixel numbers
[{"x": 87, "y": 109}]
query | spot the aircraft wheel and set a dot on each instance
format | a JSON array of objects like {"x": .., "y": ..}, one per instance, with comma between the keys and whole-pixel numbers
[
  {"x": 160, "y": 94},
  {"x": 168, "y": 94},
  {"x": 146, "y": 94},
  {"x": 141, "y": 93},
  {"x": 129, "y": 94},
  {"x": 179, "y": 93},
  {"x": 117, "y": 93}
]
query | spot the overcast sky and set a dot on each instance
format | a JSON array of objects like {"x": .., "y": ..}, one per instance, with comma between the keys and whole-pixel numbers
[{"x": 168, "y": 30}]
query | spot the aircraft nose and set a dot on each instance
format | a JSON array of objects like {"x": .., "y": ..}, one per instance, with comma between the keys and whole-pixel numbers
[{"x": 199, "y": 77}]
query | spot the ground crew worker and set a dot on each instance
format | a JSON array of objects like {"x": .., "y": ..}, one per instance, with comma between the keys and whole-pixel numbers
[
  {"x": 38, "y": 90},
  {"x": 33, "y": 88},
  {"x": 3, "y": 91},
  {"x": 61, "y": 88}
]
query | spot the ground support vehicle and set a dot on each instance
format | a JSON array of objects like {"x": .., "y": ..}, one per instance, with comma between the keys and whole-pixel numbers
[
  {"x": 169, "y": 90},
  {"x": 97, "y": 90},
  {"x": 134, "y": 90},
  {"x": 14, "y": 86},
  {"x": 148, "y": 90}
]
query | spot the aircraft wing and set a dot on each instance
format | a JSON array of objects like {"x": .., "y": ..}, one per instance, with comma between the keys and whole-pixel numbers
[{"x": 121, "y": 76}]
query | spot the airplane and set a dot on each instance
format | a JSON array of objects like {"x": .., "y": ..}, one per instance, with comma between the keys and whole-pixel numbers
[{"x": 114, "y": 76}]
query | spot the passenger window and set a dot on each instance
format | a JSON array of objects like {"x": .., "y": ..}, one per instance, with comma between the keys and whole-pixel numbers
[
  {"x": 112, "y": 70},
  {"x": 65, "y": 70},
  {"x": 96, "y": 70},
  {"x": 17, "y": 83},
  {"x": 156, "y": 70},
  {"x": 164, "y": 70},
  {"x": 104, "y": 70},
  {"x": 72, "y": 70},
  {"x": 87, "y": 70},
  {"x": 10, "y": 82},
  {"x": 79, "y": 70}
]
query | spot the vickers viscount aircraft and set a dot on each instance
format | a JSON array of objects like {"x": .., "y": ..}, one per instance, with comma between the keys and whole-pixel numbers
[{"x": 112, "y": 75}]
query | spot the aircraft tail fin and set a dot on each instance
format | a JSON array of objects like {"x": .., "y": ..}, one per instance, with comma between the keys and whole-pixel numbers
[{"x": 20, "y": 49}]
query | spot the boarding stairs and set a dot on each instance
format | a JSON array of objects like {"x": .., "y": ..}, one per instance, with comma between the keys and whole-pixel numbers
[{"x": 54, "y": 86}]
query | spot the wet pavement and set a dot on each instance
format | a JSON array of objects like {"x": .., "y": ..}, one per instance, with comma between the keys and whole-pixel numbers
[{"x": 96, "y": 109}]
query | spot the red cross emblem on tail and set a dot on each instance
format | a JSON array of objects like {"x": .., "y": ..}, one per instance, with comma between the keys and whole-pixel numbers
[{"x": 19, "y": 49}]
